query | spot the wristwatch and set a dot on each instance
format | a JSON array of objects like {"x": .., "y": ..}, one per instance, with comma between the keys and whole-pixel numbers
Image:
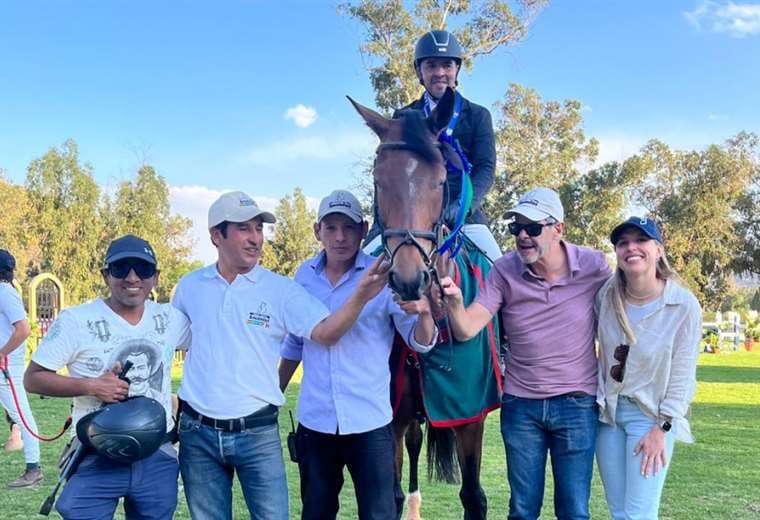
[{"x": 666, "y": 426}]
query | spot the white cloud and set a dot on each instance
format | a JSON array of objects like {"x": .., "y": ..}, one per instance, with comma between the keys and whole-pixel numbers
[
  {"x": 352, "y": 146},
  {"x": 618, "y": 148},
  {"x": 302, "y": 115},
  {"x": 737, "y": 20},
  {"x": 717, "y": 117}
]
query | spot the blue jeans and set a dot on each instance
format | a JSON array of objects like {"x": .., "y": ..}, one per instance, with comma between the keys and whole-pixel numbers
[
  {"x": 629, "y": 495},
  {"x": 564, "y": 426},
  {"x": 149, "y": 488},
  {"x": 369, "y": 457},
  {"x": 209, "y": 458}
]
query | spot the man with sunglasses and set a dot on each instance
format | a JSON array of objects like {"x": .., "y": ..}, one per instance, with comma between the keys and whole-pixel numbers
[
  {"x": 93, "y": 341},
  {"x": 545, "y": 292}
]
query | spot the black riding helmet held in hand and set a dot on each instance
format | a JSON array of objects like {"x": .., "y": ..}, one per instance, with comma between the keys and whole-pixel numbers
[
  {"x": 125, "y": 432},
  {"x": 438, "y": 44}
]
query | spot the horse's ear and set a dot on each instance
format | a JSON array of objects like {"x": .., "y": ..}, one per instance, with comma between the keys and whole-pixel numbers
[
  {"x": 441, "y": 116},
  {"x": 375, "y": 121}
]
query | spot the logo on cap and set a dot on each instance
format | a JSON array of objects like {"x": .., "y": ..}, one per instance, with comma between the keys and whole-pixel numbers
[
  {"x": 532, "y": 202},
  {"x": 246, "y": 202},
  {"x": 339, "y": 202},
  {"x": 643, "y": 222}
]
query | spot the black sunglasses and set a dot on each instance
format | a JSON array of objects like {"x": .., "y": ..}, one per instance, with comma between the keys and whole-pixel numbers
[
  {"x": 120, "y": 269},
  {"x": 618, "y": 371},
  {"x": 533, "y": 229}
]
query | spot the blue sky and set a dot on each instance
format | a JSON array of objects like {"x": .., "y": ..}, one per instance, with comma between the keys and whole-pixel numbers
[{"x": 209, "y": 92}]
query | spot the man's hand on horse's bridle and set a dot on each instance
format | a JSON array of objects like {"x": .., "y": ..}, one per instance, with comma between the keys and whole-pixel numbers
[
  {"x": 452, "y": 293},
  {"x": 374, "y": 279}
]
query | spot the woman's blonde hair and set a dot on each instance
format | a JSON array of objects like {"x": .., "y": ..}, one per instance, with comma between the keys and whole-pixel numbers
[{"x": 616, "y": 293}]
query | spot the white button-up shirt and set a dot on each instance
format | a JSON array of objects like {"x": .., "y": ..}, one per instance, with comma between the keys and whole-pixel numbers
[
  {"x": 237, "y": 329},
  {"x": 346, "y": 387},
  {"x": 660, "y": 371}
]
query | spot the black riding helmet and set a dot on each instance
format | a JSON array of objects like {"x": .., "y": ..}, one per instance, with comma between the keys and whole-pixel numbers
[
  {"x": 125, "y": 432},
  {"x": 438, "y": 44}
]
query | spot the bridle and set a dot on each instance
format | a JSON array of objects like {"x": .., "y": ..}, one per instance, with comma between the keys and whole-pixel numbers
[{"x": 410, "y": 237}]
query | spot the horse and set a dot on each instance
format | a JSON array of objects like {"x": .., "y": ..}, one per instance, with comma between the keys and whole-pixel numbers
[{"x": 409, "y": 176}]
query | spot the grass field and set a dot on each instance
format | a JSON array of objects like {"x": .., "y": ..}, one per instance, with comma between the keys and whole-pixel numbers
[{"x": 716, "y": 478}]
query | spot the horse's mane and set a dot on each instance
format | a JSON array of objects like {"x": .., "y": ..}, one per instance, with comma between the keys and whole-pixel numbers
[{"x": 416, "y": 133}]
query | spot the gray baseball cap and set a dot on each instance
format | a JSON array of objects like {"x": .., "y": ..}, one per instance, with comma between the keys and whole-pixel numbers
[
  {"x": 236, "y": 206},
  {"x": 538, "y": 204},
  {"x": 341, "y": 201}
]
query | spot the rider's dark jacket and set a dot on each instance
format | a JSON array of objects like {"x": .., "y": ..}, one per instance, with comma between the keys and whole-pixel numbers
[{"x": 474, "y": 130}]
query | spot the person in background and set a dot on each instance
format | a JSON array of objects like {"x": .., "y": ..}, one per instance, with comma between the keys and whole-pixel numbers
[
  {"x": 650, "y": 326},
  {"x": 14, "y": 330}
]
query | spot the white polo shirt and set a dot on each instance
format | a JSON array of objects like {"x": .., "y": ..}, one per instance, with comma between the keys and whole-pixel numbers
[{"x": 237, "y": 328}]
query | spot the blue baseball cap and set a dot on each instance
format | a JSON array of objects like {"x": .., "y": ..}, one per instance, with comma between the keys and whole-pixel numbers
[
  {"x": 130, "y": 246},
  {"x": 7, "y": 261},
  {"x": 643, "y": 224}
]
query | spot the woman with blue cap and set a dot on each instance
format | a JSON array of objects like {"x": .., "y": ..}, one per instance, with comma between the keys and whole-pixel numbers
[{"x": 649, "y": 332}]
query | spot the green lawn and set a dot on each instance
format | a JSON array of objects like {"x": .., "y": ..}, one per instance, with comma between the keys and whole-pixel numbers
[{"x": 718, "y": 477}]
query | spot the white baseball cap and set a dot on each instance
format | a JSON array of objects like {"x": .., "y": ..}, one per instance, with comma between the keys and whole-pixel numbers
[
  {"x": 236, "y": 206},
  {"x": 539, "y": 204},
  {"x": 341, "y": 201}
]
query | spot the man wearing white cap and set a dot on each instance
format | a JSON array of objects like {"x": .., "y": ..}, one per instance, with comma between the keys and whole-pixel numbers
[
  {"x": 544, "y": 292},
  {"x": 240, "y": 312},
  {"x": 344, "y": 408}
]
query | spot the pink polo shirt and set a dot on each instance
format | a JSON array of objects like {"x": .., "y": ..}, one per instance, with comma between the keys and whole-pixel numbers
[{"x": 550, "y": 326}]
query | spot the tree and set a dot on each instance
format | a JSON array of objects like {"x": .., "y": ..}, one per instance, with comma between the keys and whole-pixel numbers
[
  {"x": 695, "y": 196},
  {"x": 64, "y": 220},
  {"x": 748, "y": 215},
  {"x": 141, "y": 207},
  {"x": 540, "y": 143},
  {"x": 14, "y": 236},
  {"x": 755, "y": 302},
  {"x": 294, "y": 239},
  {"x": 393, "y": 30},
  {"x": 595, "y": 202}
]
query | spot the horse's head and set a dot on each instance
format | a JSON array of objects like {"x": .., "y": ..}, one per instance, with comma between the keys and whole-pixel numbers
[{"x": 410, "y": 179}]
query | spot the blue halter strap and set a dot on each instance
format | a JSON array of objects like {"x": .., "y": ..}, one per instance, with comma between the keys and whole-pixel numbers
[{"x": 452, "y": 242}]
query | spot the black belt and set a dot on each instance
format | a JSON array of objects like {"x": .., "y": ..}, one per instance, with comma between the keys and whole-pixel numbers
[{"x": 262, "y": 417}]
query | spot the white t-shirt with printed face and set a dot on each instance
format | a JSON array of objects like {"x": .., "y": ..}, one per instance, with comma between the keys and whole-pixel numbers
[
  {"x": 11, "y": 311},
  {"x": 90, "y": 339}
]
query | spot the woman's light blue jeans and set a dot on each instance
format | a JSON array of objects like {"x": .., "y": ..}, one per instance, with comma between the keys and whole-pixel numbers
[{"x": 630, "y": 496}]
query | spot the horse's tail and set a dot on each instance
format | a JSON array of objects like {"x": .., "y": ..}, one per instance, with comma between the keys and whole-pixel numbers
[{"x": 441, "y": 452}]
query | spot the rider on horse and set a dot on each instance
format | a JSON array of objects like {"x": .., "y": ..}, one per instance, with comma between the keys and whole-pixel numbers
[{"x": 437, "y": 60}]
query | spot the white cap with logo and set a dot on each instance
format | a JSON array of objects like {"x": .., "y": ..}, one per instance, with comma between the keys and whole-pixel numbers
[
  {"x": 538, "y": 204},
  {"x": 236, "y": 206},
  {"x": 341, "y": 201}
]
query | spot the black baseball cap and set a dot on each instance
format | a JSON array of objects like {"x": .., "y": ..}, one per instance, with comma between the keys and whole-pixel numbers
[
  {"x": 130, "y": 246},
  {"x": 7, "y": 261},
  {"x": 645, "y": 225}
]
